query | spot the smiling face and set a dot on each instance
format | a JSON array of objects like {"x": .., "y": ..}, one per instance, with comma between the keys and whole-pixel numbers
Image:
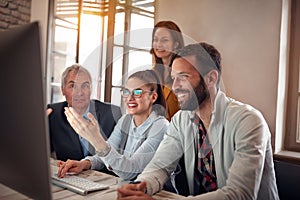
[
  {"x": 188, "y": 86},
  {"x": 141, "y": 106},
  {"x": 163, "y": 44},
  {"x": 77, "y": 90}
]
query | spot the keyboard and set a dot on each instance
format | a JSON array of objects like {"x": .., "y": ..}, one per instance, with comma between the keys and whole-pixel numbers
[{"x": 77, "y": 184}]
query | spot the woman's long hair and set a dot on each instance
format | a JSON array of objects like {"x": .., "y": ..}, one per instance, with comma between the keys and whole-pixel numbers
[
  {"x": 176, "y": 36},
  {"x": 151, "y": 80}
]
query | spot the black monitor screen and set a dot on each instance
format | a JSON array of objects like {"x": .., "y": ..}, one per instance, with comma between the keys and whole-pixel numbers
[{"x": 24, "y": 148}]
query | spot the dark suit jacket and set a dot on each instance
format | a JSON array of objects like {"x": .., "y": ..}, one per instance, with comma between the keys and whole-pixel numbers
[{"x": 64, "y": 141}]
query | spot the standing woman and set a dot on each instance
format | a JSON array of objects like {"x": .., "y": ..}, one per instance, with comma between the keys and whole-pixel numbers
[
  {"x": 135, "y": 137},
  {"x": 166, "y": 38}
]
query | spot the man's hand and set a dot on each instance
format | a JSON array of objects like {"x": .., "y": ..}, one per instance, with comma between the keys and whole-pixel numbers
[
  {"x": 49, "y": 111},
  {"x": 133, "y": 192}
]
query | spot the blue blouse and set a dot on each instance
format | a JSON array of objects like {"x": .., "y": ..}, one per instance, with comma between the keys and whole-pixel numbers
[{"x": 140, "y": 147}]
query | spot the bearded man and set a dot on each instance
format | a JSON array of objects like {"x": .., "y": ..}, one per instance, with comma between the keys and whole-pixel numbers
[{"x": 226, "y": 144}]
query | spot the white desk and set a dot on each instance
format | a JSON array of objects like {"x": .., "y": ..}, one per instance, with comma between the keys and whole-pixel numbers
[{"x": 60, "y": 193}]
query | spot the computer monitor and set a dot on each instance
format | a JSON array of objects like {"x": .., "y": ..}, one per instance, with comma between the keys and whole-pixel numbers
[{"x": 24, "y": 142}]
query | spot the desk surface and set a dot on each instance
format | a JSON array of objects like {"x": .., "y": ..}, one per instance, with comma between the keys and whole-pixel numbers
[{"x": 60, "y": 193}]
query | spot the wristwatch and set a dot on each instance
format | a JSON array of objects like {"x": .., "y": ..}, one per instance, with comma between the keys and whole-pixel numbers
[{"x": 105, "y": 151}]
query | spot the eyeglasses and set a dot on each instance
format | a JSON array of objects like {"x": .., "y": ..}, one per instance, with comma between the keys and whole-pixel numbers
[{"x": 136, "y": 93}]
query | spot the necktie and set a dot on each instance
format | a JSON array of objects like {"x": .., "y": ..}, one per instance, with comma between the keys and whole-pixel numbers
[
  {"x": 86, "y": 146},
  {"x": 206, "y": 165}
]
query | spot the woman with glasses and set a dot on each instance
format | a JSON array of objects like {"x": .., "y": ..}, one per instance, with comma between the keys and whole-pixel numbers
[{"x": 135, "y": 137}]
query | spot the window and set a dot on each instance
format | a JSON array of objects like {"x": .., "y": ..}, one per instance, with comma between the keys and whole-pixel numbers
[
  {"x": 292, "y": 138},
  {"x": 108, "y": 37},
  {"x": 287, "y": 143}
]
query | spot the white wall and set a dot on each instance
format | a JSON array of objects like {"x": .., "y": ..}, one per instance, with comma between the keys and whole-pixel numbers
[
  {"x": 246, "y": 33},
  {"x": 39, "y": 12}
]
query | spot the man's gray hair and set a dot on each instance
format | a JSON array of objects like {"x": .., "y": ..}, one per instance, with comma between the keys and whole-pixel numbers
[{"x": 74, "y": 68}]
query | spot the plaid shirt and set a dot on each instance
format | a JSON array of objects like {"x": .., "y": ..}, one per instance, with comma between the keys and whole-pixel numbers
[{"x": 206, "y": 164}]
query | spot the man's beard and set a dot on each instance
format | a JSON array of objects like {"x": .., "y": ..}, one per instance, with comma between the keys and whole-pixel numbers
[{"x": 197, "y": 96}]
